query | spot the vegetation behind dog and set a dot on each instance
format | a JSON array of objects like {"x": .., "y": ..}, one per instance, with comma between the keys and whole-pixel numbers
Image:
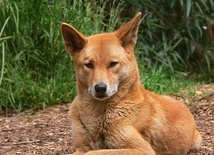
[{"x": 36, "y": 72}]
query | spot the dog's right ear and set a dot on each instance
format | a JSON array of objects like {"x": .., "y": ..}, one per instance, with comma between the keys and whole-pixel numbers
[{"x": 74, "y": 40}]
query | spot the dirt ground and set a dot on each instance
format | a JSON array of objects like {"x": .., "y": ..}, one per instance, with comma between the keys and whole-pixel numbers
[{"x": 48, "y": 131}]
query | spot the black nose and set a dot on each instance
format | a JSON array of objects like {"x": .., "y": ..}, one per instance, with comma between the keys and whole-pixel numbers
[{"x": 100, "y": 88}]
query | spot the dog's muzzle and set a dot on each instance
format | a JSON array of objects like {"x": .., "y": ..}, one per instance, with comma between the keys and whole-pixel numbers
[{"x": 102, "y": 91}]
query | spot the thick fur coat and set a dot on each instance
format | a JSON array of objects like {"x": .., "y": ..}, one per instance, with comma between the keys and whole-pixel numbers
[{"x": 113, "y": 114}]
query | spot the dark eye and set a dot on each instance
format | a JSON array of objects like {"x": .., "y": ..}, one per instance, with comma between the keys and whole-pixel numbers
[
  {"x": 89, "y": 65},
  {"x": 113, "y": 64}
]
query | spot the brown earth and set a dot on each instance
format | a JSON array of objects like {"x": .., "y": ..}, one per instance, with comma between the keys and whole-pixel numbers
[{"x": 48, "y": 131}]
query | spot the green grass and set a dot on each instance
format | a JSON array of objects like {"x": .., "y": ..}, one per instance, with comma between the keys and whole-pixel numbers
[{"x": 166, "y": 83}]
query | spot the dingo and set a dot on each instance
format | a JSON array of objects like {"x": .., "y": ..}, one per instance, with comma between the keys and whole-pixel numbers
[{"x": 113, "y": 114}]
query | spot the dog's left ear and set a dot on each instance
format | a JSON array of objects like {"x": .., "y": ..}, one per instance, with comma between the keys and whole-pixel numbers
[{"x": 128, "y": 32}]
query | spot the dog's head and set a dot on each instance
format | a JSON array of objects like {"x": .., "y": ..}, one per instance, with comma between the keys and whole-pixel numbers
[{"x": 103, "y": 61}]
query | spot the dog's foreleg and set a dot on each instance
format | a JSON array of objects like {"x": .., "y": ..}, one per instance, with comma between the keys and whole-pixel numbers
[
  {"x": 128, "y": 141},
  {"x": 80, "y": 139},
  {"x": 121, "y": 152}
]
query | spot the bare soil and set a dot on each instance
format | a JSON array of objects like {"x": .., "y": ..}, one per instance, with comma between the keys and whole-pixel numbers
[{"x": 48, "y": 131}]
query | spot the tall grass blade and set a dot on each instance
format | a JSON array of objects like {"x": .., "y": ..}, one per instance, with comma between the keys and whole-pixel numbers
[
  {"x": 208, "y": 62},
  {"x": 3, "y": 63},
  {"x": 3, "y": 27},
  {"x": 3, "y": 50},
  {"x": 188, "y": 7}
]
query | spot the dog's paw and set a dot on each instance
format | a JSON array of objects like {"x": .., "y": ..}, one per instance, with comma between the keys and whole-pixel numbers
[
  {"x": 77, "y": 153},
  {"x": 92, "y": 153}
]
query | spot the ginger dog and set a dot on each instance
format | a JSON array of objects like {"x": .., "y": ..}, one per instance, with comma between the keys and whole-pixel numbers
[{"x": 113, "y": 114}]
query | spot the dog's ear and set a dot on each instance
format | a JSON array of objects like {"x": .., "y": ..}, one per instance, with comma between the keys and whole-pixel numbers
[
  {"x": 128, "y": 32},
  {"x": 74, "y": 40}
]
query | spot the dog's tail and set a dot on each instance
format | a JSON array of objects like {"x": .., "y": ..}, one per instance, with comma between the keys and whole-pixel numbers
[{"x": 197, "y": 141}]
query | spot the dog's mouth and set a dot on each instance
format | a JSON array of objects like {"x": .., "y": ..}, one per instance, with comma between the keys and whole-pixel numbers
[{"x": 101, "y": 97}]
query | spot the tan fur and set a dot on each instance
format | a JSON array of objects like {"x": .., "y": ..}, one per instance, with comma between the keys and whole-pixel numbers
[{"x": 124, "y": 118}]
